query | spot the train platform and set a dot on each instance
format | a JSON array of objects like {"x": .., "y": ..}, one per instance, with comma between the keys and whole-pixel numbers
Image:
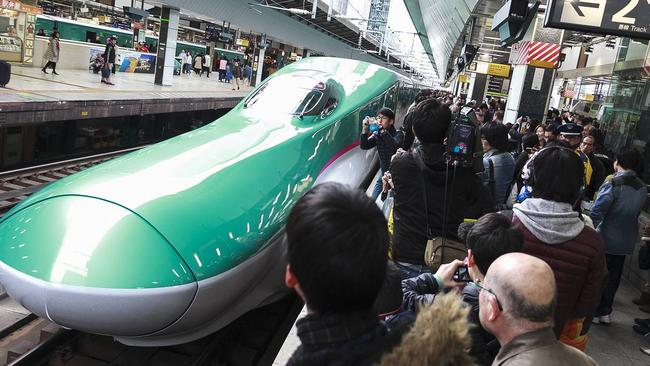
[{"x": 34, "y": 97}]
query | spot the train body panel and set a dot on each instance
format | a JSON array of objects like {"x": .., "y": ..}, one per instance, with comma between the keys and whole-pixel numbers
[{"x": 218, "y": 196}]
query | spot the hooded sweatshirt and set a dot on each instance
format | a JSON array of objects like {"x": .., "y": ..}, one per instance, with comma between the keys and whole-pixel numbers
[
  {"x": 549, "y": 221},
  {"x": 574, "y": 251}
]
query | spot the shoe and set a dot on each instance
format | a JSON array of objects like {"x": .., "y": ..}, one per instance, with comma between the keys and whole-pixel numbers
[
  {"x": 645, "y": 350},
  {"x": 640, "y": 330},
  {"x": 642, "y": 322},
  {"x": 109, "y": 83},
  {"x": 103, "y": 81},
  {"x": 605, "y": 319},
  {"x": 44, "y": 72},
  {"x": 237, "y": 88},
  {"x": 54, "y": 72},
  {"x": 643, "y": 299},
  {"x": 645, "y": 308},
  {"x": 233, "y": 88}
]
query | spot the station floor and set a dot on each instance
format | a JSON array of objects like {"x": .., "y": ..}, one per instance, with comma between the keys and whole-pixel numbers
[
  {"x": 29, "y": 84},
  {"x": 609, "y": 345}
]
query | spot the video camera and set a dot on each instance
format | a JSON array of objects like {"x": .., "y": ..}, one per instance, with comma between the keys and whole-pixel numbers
[{"x": 464, "y": 146}]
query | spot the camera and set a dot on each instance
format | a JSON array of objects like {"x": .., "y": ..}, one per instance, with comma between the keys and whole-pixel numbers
[{"x": 462, "y": 274}]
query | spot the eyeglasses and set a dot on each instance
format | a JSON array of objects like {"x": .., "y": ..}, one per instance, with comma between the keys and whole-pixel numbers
[{"x": 481, "y": 288}]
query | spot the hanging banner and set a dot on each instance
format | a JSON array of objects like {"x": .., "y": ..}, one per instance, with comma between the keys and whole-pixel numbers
[{"x": 539, "y": 54}]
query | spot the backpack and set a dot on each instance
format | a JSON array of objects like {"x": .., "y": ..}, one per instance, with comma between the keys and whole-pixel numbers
[{"x": 464, "y": 146}]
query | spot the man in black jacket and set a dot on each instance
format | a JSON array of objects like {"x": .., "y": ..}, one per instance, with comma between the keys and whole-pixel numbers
[
  {"x": 458, "y": 189},
  {"x": 381, "y": 134},
  {"x": 337, "y": 247},
  {"x": 491, "y": 237},
  {"x": 109, "y": 60}
]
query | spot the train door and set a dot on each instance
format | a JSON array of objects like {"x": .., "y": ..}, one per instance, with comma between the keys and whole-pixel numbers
[{"x": 12, "y": 154}]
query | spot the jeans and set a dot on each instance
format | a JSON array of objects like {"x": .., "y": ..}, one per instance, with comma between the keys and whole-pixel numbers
[
  {"x": 378, "y": 186},
  {"x": 410, "y": 270},
  {"x": 615, "y": 267}
]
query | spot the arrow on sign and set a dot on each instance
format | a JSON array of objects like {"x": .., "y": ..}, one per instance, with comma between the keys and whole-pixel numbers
[{"x": 577, "y": 4}]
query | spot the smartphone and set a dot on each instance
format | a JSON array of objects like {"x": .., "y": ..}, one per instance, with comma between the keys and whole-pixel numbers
[{"x": 462, "y": 274}]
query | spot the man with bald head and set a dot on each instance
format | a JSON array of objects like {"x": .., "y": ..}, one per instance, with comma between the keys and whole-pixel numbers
[{"x": 516, "y": 305}]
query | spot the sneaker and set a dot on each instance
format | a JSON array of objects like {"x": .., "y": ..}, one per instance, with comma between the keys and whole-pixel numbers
[
  {"x": 642, "y": 322},
  {"x": 54, "y": 72},
  {"x": 645, "y": 350},
  {"x": 44, "y": 72},
  {"x": 640, "y": 330},
  {"x": 605, "y": 319}
]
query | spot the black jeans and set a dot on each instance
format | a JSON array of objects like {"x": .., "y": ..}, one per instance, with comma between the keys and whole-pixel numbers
[
  {"x": 48, "y": 64},
  {"x": 615, "y": 268}
]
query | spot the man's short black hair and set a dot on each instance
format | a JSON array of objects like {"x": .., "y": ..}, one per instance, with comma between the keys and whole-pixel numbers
[
  {"x": 387, "y": 112},
  {"x": 431, "y": 121},
  {"x": 337, "y": 242},
  {"x": 484, "y": 106},
  {"x": 558, "y": 175},
  {"x": 598, "y": 135},
  {"x": 491, "y": 237},
  {"x": 423, "y": 95},
  {"x": 529, "y": 140},
  {"x": 629, "y": 159},
  {"x": 496, "y": 135}
]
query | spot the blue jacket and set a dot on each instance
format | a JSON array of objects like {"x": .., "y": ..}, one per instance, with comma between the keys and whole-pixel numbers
[
  {"x": 616, "y": 212},
  {"x": 504, "y": 170},
  {"x": 387, "y": 143}
]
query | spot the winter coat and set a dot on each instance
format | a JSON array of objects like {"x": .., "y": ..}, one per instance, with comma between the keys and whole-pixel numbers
[
  {"x": 356, "y": 338},
  {"x": 503, "y": 169},
  {"x": 439, "y": 336},
  {"x": 387, "y": 143},
  {"x": 540, "y": 347},
  {"x": 109, "y": 53},
  {"x": 422, "y": 290},
  {"x": 554, "y": 233},
  {"x": 198, "y": 62},
  {"x": 53, "y": 48},
  {"x": 464, "y": 199},
  {"x": 616, "y": 212}
]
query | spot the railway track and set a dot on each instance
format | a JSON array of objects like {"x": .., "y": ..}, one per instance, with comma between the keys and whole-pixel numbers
[
  {"x": 254, "y": 339},
  {"x": 16, "y": 185}
]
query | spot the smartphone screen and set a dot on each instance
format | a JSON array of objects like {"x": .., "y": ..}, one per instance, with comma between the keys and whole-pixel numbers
[{"x": 462, "y": 274}]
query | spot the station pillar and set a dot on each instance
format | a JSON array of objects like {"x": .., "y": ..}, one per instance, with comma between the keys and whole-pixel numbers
[
  {"x": 169, "y": 21},
  {"x": 531, "y": 86}
]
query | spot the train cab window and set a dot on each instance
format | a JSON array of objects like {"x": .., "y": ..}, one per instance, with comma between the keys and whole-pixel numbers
[{"x": 299, "y": 95}]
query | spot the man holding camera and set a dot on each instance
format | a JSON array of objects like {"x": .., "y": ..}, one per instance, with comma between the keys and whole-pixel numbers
[
  {"x": 381, "y": 133},
  {"x": 452, "y": 193}
]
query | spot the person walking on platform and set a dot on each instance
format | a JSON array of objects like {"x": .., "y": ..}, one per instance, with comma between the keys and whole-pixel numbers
[
  {"x": 188, "y": 63},
  {"x": 236, "y": 73},
  {"x": 52, "y": 53},
  {"x": 183, "y": 57},
  {"x": 207, "y": 65},
  {"x": 198, "y": 64},
  {"x": 109, "y": 61}
]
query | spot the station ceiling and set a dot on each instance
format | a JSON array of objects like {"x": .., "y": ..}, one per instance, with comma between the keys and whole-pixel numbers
[
  {"x": 446, "y": 25},
  {"x": 337, "y": 37}
]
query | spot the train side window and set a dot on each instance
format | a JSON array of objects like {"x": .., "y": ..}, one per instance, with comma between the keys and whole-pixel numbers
[{"x": 391, "y": 98}]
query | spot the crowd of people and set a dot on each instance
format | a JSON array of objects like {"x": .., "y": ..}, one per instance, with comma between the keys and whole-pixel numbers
[
  {"x": 505, "y": 262},
  {"x": 230, "y": 71}
]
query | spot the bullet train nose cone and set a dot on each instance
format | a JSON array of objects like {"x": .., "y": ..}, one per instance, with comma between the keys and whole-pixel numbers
[{"x": 92, "y": 265}]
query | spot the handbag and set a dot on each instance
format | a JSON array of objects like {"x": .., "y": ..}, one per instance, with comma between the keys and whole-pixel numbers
[
  {"x": 438, "y": 250},
  {"x": 106, "y": 71}
]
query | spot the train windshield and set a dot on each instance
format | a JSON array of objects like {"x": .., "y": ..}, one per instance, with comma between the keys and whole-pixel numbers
[{"x": 290, "y": 94}]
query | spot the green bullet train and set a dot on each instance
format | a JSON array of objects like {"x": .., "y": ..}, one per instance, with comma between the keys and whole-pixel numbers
[{"x": 172, "y": 242}]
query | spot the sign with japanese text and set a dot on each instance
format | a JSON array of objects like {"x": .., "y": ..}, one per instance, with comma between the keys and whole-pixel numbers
[
  {"x": 627, "y": 18},
  {"x": 499, "y": 70}
]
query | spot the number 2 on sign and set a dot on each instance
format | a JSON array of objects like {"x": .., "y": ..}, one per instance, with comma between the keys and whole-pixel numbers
[{"x": 621, "y": 17}]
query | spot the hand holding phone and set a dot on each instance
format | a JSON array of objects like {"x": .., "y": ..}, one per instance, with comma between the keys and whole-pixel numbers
[{"x": 462, "y": 274}]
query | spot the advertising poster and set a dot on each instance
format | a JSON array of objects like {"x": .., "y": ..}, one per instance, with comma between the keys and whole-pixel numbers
[{"x": 129, "y": 61}]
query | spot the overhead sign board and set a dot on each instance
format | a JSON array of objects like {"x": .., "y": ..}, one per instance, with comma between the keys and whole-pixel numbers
[
  {"x": 627, "y": 18},
  {"x": 499, "y": 70}
]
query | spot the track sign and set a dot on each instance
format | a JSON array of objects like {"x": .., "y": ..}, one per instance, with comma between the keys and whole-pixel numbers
[{"x": 627, "y": 18}]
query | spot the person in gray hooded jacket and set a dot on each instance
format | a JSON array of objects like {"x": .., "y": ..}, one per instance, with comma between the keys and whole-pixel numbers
[
  {"x": 556, "y": 234},
  {"x": 615, "y": 215}
]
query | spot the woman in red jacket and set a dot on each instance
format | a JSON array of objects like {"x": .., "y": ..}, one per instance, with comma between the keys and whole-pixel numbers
[{"x": 558, "y": 235}]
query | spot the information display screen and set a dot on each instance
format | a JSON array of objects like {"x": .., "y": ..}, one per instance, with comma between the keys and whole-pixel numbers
[{"x": 627, "y": 18}]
